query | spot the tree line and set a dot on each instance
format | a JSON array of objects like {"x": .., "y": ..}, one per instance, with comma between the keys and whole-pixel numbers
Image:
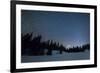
[{"x": 34, "y": 46}]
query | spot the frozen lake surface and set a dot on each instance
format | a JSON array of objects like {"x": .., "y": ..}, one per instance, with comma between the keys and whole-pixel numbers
[{"x": 57, "y": 57}]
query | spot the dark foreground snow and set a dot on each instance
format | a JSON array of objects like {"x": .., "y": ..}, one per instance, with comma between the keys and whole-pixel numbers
[{"x": 57, "y": 57}]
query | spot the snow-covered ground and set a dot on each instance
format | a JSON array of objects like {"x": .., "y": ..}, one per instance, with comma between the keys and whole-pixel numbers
[{"x": 57, "y": 57}]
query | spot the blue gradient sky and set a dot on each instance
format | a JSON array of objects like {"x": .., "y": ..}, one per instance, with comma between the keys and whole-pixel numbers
[{"x": 67, "y": 28}]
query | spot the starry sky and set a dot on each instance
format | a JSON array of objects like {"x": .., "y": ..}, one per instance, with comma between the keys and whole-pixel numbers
[{"x": 67, "y": 28}]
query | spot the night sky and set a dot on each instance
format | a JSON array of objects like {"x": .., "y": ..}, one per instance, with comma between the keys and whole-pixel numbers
[{"x": 67, "y": 28}]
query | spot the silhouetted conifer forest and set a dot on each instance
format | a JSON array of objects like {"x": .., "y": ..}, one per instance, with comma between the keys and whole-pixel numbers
[{"x": 35, "y": 47}]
